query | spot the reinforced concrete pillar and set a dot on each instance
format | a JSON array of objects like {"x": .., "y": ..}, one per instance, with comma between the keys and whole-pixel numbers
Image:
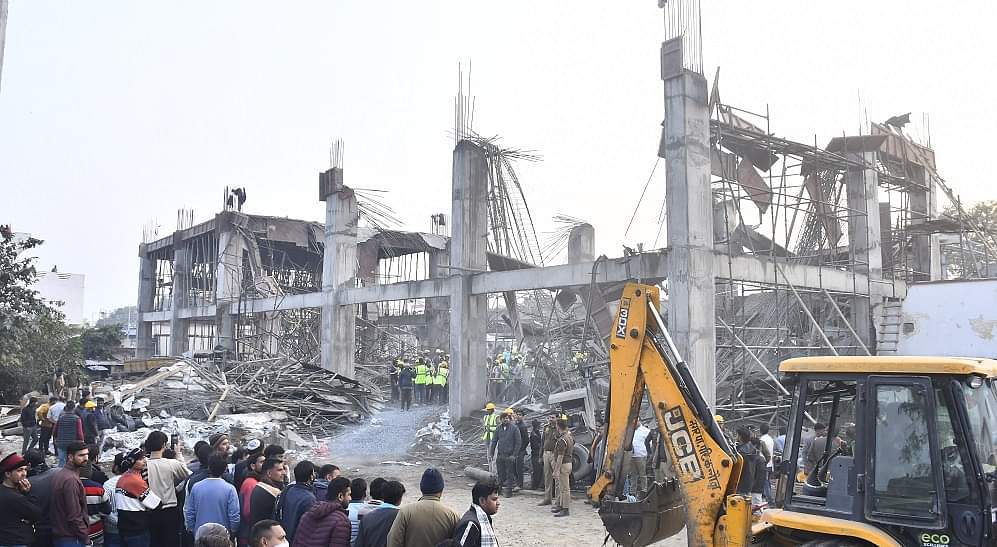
[
  {"x": 581, "y": 244},
  {"x": 468, "y": 313},
  {"x": 339, "y": 271},
  {"x": 228, "y": 279},
  {"x": 438, "y": 309},
  {"x": 181, "y": 285},
  {"x": 685, "y": 146},
  {"x": 144, "y": 343},
  {"x": 865, "y": 237}
]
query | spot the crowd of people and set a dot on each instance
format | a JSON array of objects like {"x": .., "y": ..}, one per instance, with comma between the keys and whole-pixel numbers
[
  {"x": 149, "y": 496},
  {"x": 507, "y": 441},
  {"x": 424, "y": 380}
]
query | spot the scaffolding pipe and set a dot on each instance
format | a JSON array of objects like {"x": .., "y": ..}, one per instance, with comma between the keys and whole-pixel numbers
[
  {"x": 806, "y": 310},
  {"x": 847, "y": 324}
]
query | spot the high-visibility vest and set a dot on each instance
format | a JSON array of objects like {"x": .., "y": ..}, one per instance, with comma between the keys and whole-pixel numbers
[
  {"x": 491, "y": 423},
  {"x": 441, "y": 376},
  {"x": 421, "y": 375}
]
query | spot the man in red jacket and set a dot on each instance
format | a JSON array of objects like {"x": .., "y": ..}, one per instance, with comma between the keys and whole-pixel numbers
[
  {"x": 68, "y": 506},
  {"x": 327, "y": 524}
]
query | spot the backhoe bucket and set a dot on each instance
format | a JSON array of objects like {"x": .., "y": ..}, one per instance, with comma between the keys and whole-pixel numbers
[{"x": 659, "y": 515}]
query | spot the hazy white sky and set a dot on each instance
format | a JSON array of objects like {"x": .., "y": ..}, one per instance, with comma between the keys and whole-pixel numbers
[{"x": 115, "y": 113}]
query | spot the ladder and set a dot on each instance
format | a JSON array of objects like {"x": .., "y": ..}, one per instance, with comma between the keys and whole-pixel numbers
[{"x": 888, "y": 334}]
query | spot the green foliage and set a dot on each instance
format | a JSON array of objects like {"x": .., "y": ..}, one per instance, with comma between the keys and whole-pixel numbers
[
  {"x": 34, "y": 339},
  {"x": 978, "y": 243},
  {"x": 98, "y": 343}
]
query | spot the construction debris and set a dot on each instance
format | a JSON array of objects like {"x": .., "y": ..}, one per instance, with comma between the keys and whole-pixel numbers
[{"x": 315, "y": 399}]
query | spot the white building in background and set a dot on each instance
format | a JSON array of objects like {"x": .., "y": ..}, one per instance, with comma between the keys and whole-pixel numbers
[{"x": 63, "y": 291}]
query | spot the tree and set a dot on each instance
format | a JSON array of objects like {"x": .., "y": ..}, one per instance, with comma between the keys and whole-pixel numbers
[
  {"x": 98, "y": 343},
  {"x": 34, "y": 339},
  {"x": 974, "y": 256}
]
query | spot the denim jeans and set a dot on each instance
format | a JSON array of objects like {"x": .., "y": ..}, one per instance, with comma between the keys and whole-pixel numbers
[
  {"x": 61, "y": 454},
  {"x": 67, "y": 542},
  {"x": 30, "y": 436},
  {"x": 111, "y": 539},
  {"x": 140, "y": 540}
]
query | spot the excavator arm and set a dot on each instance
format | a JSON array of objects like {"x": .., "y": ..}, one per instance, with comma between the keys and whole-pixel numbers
[{"x": 706, "y": 468}]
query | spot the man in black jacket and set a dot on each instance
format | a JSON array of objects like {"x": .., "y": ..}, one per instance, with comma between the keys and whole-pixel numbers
[
  {"x": 507, "y": 439},
  {"x": 29, "y": 425},
  {"x": 375, "y": 525},
  {"x": 475, "y": 528},
  {"x": 524, "y": 443},
  {"x": 18, "y": 510}
]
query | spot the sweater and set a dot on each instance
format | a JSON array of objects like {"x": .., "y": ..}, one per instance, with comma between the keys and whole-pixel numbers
[
  {"x": 69, "y": 428},
  {"x": 164, "y": 474},
  {"x": 293, "y": 503},
  {"x": 68, "y": 506},
  {"x": 98, "y": 504},
  {"x": 324, "y": 525},
  {"x": 18, "y": 514},
  {"x": 262, "y": 502},
  {"x": 212, "y": 500},
  {"x": 132, "y": 501},
  {"x": 423, "y": 523},
  {"x": 509, "y": 440},
  {"x": 374, "y": 527}
]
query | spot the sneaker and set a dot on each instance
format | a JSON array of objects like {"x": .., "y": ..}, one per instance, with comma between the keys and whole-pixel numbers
[
  {"x": 562, "y": 513},
  {"x": 555, "y": 509},
  {"x": 545, "y": 502}
]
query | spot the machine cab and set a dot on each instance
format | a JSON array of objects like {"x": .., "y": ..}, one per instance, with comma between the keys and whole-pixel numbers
[{"x": 907, "y": 445}]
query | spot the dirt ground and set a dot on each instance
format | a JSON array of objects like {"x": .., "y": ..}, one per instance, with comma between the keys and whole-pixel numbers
[{"x": 362, "y": 451}]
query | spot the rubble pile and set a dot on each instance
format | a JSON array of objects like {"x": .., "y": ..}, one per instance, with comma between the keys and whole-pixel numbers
[{"x": 312, "y": 398}]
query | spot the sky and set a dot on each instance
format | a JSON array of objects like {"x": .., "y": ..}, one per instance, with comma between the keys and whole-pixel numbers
[{"x": 115, "y": 114}]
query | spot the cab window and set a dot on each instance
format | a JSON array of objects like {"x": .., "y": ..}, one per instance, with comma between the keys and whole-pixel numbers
[
  {"x": 981, "y": 406},
  {"x": 903, "y": 483},
  {"x": 953, "y": 455}
]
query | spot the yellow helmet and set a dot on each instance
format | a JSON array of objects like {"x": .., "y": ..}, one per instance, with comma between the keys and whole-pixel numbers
[
  {"x": 564, "y": 417},
  {"x": 490, "y": 406},
  {"x": 719, "y": 419},
  {"x": 509, "y": 411}
]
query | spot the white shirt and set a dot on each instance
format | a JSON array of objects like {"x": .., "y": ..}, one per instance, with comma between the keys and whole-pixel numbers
[
  {"x": 769, "y": 443},
  {"x": 640, "y": 435},
  {"x": 55, "y": 411}
]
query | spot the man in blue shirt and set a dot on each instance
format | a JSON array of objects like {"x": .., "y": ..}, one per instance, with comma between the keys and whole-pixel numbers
[{"x": 213, "y": 500}]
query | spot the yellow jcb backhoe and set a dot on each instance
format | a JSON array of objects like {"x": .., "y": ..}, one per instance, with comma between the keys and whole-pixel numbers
[{"x": 908, "y": 459}]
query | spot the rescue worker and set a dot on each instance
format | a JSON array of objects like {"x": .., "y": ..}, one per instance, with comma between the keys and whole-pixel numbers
[
  {"x": 440, "y": 382},
  {"x": 490, "y": 423},
  {"x": 524, "y": 435},
  {"x": 563, "y": 448},
  {"x": 430, "y": 382},
  {"x": 421, "y": 379},
  {"x": 549, "y": 438}
]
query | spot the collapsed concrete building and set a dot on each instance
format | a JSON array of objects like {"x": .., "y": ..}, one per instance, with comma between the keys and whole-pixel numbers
[{"x": 775, "y": 248}]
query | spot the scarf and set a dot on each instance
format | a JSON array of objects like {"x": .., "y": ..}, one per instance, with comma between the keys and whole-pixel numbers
[{"x": 487, "y": 534}]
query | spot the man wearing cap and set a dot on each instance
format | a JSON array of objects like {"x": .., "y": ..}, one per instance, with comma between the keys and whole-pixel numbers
[
  {"x": 133, "y": 501},
  {"x": 563, "y": 447},
  {"x": 508, "y": 441},
  {"x": 220, "y": 444},
  {"x": 18, "y": 510},
  {"x": 254, "y": 448},
  {"x": 549, "y": 438},
  {"x": 427, "y": 521},
  {"x": 68, "y": 504},
  {"x": 421, "y": 379},
  {"x": 90, "y": 427},
  {"x": 490, "y": 423}
]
